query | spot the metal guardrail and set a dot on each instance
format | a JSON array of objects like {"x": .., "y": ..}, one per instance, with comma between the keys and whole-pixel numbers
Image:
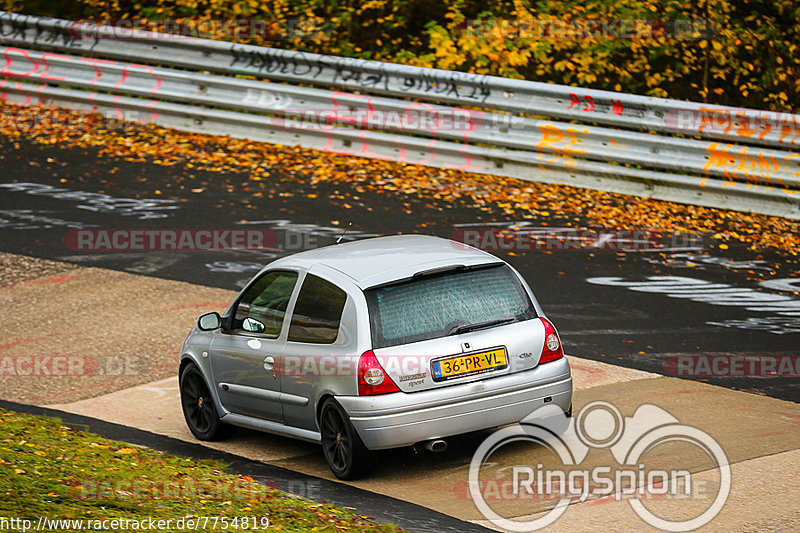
[
  {"x": 296, "y": 103},
  {"x": 761, "y": 173}
]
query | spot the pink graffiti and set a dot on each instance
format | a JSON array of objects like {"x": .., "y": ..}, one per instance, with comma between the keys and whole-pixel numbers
[
  {"x": 4, "y": 94},
  {"x": 9, "y": 60},
  {"x": 467, "y": 166},
  {"x": 156, "y": 87},
  {"x": 431, "y": 157},
  {"x": 44, "y": 74}
]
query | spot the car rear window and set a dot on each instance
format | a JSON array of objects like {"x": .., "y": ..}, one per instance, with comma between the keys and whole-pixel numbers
[
  {"x": 317, "y": 312},
  {"x": 428, "y": 307}
]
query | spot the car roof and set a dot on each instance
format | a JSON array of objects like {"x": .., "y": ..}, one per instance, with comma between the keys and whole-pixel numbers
[{"x": 380, "y": 260}]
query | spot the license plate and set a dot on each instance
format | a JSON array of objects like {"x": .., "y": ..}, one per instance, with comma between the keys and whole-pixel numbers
[{"x": 467, "y": 365}]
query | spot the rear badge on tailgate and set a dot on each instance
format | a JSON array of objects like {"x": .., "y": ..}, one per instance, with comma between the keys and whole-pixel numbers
[{"x": 458, "y": 366}]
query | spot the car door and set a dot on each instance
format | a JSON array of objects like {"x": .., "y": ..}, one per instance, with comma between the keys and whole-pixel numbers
[{"x": 246, "y": 353}]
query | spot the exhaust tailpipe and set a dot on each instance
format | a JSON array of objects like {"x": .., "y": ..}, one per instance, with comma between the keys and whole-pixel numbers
[{"x": 436, "y": 445}]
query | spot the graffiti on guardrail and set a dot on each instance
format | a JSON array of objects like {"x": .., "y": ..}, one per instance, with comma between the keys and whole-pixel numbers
[
  {"x": 359, "y": 73},
  {"x": 751, "y": 163},
  {"x": 562, "y": 142},
  {"x": 267, "y": 99},
  {"x": 325, "y": 111},
  {"x": 586, "y": 103},
  {"x": 20, "y": 25},
  {"x": 26, "y": 65},
  {"x": 269, "y": 60},
  {"x": 745, "y": 123}
]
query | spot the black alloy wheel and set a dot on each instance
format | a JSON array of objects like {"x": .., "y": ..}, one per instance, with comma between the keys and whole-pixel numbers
[
  {"x": 198, "y": 406},
  {"x": 345, "y": 452}
]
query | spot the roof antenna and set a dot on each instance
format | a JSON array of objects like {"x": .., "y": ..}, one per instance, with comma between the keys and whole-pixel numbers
[{"x": 343, "y": 233}]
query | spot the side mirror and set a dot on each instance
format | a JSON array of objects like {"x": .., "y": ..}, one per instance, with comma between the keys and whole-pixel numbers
[{"x": 209, "y": 321}]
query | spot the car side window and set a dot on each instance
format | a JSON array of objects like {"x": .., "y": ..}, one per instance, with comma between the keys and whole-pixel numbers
[
  {"x": 318, "y": 312},
  {"x": 262, "y": 308}
]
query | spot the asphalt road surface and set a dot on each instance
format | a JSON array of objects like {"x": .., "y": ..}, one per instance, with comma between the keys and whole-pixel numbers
[{"x": 728, "y": 317}]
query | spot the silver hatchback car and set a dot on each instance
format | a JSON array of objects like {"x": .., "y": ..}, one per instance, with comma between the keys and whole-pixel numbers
[{"x": 374, "y": 344}]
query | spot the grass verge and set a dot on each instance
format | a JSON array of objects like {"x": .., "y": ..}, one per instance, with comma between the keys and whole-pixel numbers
[{"x": 49, "y": 470}]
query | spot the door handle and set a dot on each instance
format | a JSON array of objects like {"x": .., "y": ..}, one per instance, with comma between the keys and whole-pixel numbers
[{"x": 268, "y": 362}]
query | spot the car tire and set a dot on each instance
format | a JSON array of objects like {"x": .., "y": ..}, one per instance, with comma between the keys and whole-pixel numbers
[
  {"x": 199, "y": 408},
  {"x": 344, "y": 451}
]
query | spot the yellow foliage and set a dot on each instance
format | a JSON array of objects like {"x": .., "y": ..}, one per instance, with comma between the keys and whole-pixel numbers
[{"x": 685, "y": 49}]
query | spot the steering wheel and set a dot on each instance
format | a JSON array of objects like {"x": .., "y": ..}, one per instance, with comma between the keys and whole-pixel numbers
[{"x": 277, "y": 302}]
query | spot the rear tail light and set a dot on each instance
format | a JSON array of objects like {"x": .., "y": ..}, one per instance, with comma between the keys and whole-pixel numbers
[
  {"x": 372, "y": 379},
  {"x": 552, "y": 344}
]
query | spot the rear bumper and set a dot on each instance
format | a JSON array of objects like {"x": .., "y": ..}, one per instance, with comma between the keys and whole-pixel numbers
[{"x": 402, "y": 419}]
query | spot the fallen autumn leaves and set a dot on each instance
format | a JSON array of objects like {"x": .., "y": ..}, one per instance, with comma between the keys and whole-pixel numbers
[
  {"x": 136, "y": 142},
  {"x": 49, "y": 470}
]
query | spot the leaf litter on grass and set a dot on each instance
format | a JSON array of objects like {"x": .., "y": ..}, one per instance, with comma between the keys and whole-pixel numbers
[{"x": 50, "y": 470}]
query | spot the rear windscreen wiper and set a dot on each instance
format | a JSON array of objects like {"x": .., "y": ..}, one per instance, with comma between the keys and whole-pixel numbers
[{"x": 479, "y": 325}]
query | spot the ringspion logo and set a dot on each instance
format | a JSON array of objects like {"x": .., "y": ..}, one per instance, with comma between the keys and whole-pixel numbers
[{"x": 561, "y": 473}]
